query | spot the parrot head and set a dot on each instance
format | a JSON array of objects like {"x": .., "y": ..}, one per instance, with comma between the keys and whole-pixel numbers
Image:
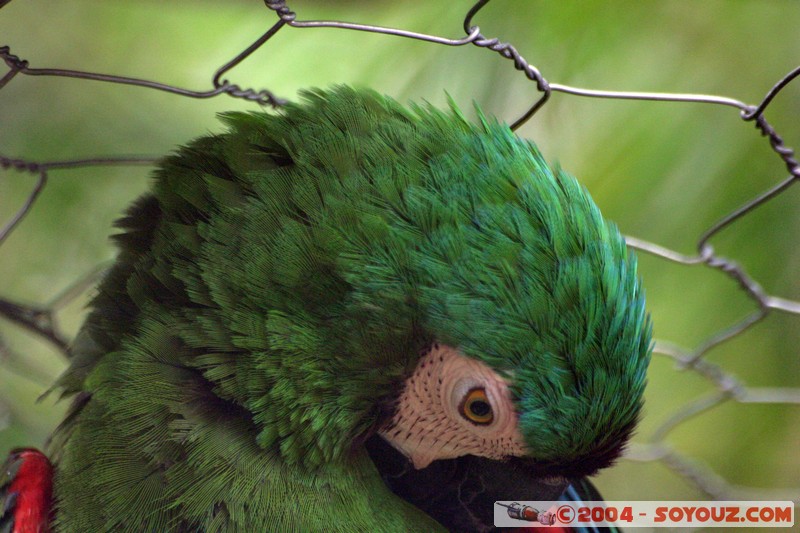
[
  {"x": 436, "y": 284},
  {"x": 487, "y": 305},
  {"x": 539, "y": 341}
]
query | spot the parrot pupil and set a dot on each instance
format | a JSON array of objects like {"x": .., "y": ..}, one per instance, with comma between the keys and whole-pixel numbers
[{"x": 480, "y": 408}]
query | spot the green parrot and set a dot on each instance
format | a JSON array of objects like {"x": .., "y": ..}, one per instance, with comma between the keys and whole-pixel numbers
[{"x": 349, "y": 315}]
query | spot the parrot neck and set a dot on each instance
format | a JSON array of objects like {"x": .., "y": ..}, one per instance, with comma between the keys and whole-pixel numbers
[{"x": 211, "y": 475}]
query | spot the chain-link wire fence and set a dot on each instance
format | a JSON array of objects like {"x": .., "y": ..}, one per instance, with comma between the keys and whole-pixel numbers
[{"x": 712, "y": 355}]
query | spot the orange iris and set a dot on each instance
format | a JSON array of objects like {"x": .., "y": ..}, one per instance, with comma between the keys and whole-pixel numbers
[{"x": 476, "y": 407}]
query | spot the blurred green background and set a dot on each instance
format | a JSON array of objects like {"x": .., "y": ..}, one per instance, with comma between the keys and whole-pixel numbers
[{"x": 663, "y": 171}]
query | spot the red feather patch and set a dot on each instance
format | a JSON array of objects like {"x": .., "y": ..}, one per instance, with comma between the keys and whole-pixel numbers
[{"x": 27, "y": 497}]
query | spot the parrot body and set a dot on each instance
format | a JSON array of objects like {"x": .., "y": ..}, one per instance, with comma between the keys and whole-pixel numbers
[{"x": 339, "y": 316}]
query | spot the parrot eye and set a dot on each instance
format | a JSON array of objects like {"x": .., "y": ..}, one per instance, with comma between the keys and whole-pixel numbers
[
  {"x": 452, "y": 406},
  {"x": 476, "y": 408}
]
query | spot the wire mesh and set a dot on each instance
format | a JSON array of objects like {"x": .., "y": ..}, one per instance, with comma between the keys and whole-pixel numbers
[{"x": 723, "y": 386}]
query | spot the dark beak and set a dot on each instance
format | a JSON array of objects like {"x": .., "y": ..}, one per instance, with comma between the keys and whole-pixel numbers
[{"x": 460, "y": 493}]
